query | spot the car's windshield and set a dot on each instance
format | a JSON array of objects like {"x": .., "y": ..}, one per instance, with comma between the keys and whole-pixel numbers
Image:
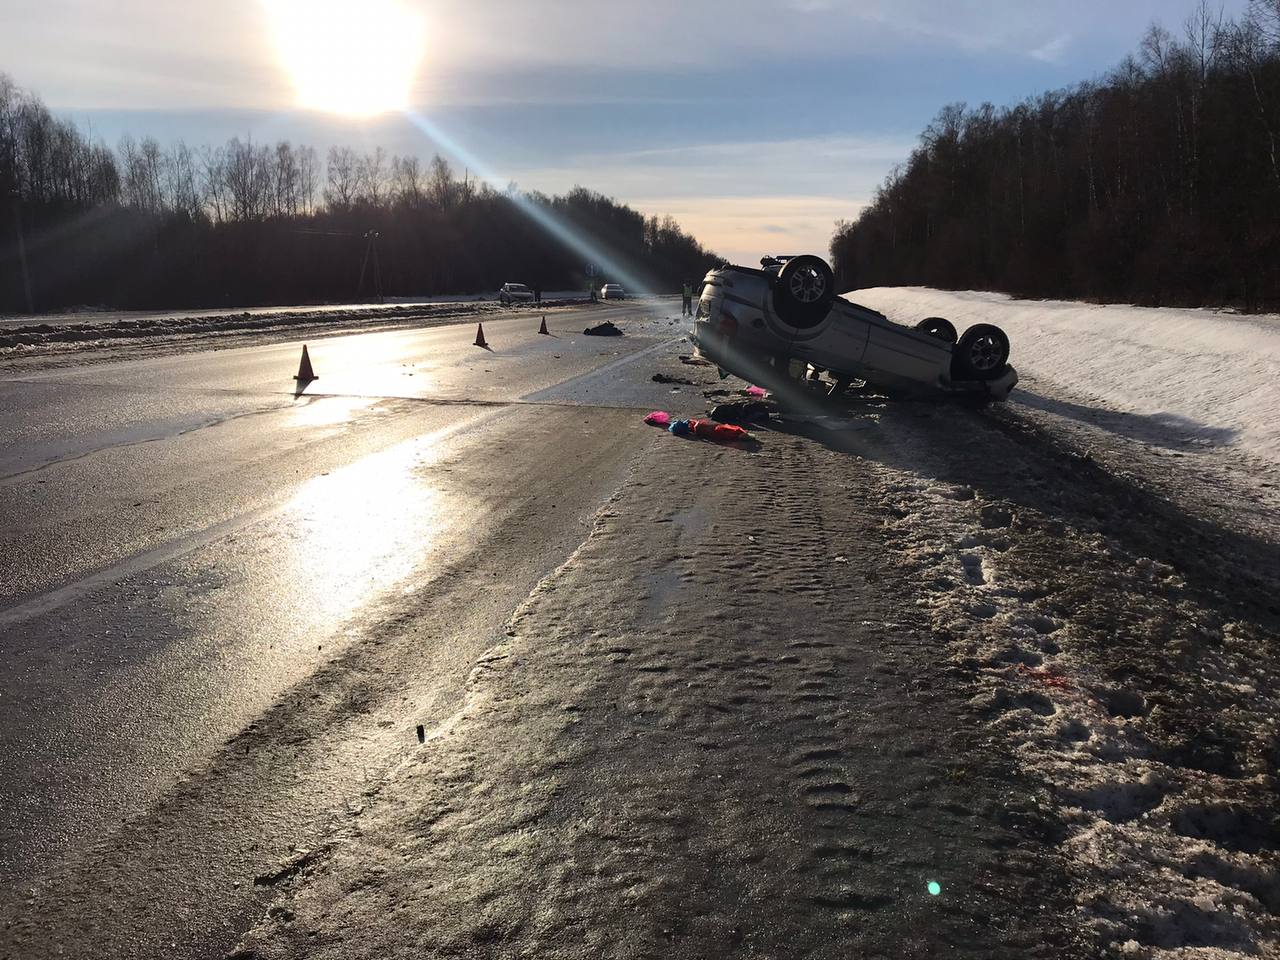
[{"x": 517, "y": 288}]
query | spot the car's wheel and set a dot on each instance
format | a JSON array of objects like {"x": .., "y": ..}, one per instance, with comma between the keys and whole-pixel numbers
[
  {"x": 803, "y": 291},
  {"x": 981, "y": 353},
  {"x": 939, "y": 327}
]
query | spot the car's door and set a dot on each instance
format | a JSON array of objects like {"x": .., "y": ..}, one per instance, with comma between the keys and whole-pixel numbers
[
  {"x": 903, "y": 352},
  {"x": 842, "y": 342}
]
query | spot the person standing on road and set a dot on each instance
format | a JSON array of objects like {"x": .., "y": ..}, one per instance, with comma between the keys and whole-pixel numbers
[
  {"x": 537, "y": 293},
  {"x": 686, "y": 309}
]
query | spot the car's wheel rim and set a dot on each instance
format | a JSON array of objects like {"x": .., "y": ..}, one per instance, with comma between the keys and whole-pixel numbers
[
  {"x": 807, "y": 286},
  {"x": 984, "y": 354}
]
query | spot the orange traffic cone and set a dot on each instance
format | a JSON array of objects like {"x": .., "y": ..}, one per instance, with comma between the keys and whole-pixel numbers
[
  {"x": 543, "y": 328},
  {"x": 480, "y": 340},
  {"x": 305, "y": 373}
]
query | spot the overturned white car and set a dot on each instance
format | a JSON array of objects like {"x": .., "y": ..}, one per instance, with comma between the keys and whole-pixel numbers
[{"x": 767, "y": 325}]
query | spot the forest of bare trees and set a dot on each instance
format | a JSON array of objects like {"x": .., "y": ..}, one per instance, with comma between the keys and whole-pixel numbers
[
  {"x": 1158, "y": 184},
  {"x": 152, "y": 225}
]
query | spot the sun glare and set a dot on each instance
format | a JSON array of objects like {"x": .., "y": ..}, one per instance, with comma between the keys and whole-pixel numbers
[{"x": 354, "y": 57}]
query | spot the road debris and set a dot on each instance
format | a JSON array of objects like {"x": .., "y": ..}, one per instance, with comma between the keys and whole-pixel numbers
[
  {"x": 606, "y": 329},
  {"x": 664, "y": 378},
  {"x": 743, "y": 411},
  {"x": 709, "y": 430}
]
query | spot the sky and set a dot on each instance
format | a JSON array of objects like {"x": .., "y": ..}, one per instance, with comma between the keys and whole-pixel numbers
[{"x": 756, "y": 124}]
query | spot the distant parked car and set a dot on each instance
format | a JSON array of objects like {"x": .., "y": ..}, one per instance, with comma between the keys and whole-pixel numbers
[
  {"x": 612, "y": 291},
  {"x": 515, "y": 293},
  {"x": 758, "y": 323}
]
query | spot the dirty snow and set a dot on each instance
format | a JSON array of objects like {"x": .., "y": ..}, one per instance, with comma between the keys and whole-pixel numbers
[
  {"x": 1125, "y": 653},
  {"x": 78, "y": 331}
]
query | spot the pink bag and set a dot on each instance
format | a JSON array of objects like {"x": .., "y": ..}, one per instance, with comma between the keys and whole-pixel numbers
[{"x": 658, "y": 419}]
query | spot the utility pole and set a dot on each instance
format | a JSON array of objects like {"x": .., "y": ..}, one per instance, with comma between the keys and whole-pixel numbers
[
  {"x": 371, "y": 250},
  {"x": 22, "y": 250}
]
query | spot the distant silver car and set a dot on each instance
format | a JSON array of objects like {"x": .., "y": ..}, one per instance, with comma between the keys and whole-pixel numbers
[
  {"x": 763, "y": 325},
  {"x": 515, "y": 293},
  {"x": 612, "y": 291}
]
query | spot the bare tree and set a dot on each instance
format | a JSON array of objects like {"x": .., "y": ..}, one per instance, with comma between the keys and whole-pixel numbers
[
  {"x": 214, "y": 183},
  {"x": 1264, "y": 16},
  {"x": 142, "y": 173},
  {"x": 247, "y": 174},
  {"x": 441, "y": 185},
  {"x": 407, "y": 181},
  {"x": 285, "y": 176},
  {"x": 181, "y": 181},
  {"x": 342, "y": 178},
  {"x": 308, "y": 178},
  {"x": 373, "y": 177}
]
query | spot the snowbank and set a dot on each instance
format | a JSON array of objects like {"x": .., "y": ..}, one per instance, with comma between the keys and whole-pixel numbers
[
  {"x": 1191, "y": 376},
  {"x": 92, "y": 330}
]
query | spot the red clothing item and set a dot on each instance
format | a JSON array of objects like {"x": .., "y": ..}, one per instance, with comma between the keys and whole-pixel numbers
[{"x": 720, "y": 432}]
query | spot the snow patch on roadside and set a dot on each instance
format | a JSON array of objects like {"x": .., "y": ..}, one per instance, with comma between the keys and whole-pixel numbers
[
  {"x": 15, "y": 340},
  {"x": 1195, "y": 378}
]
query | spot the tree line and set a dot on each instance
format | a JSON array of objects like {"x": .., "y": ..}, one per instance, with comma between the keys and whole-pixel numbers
[
  {"x": 1156, "y": 184},
  {"x": 146, "y": 225}
]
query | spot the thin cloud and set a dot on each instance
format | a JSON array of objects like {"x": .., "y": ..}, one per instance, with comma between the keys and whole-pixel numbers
[
  {"x": 1053, "y": 51},
  {"x": 759, "y": 153},
  {"x": 743, "y": 229}
]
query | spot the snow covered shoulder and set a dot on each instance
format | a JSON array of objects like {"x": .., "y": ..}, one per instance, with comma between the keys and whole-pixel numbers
[{"x": 1194, "y": 377}]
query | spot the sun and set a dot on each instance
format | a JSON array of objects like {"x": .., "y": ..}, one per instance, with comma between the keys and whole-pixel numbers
[{"x": 354, "y": 57}]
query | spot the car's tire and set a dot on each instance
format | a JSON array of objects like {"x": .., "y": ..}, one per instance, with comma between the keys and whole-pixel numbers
[
  {"x": 804, "y": 291},
  {"x": 939, "y": 327},
  {"x": 981, "y": 354}
]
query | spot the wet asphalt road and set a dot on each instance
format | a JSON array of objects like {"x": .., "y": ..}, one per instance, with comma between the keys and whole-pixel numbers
[{"x": 187, "y": 541}]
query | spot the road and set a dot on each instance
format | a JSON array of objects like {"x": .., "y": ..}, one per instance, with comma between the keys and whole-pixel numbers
[
  {"x": 450, "y": 654},
  {"x": 187, "y": 537}
]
